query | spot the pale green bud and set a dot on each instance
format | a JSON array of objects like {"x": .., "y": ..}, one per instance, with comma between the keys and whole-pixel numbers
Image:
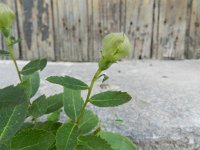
[
  {"x": 116, "y": 46},
  {"x": 6, "y": 18}
]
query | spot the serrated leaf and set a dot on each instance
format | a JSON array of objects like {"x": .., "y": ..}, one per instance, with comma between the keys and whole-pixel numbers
[
  {"x": 55, "y": 116},
  {"x": 117, "y": 141},
  {"x": 38, "y": 107},
  {"x": 55, "y": 102},
  {"x": 73, "y": 103},
  {"x": 33, "y": 66},
  {"x": 14, "y": 95},
  {"x": 4, "y": 53},
  {"x": 66, "y": 137},
  {"x": 110, "y": 98},
  {"x": 32, "y": 139},
  {"x": 88, "y": 121},
  {"x": 34, "y": 80},
  {"x": 11, "y": 118},
  {"x": 68, "y": 82},
  {"x": 92, "y": 142}
]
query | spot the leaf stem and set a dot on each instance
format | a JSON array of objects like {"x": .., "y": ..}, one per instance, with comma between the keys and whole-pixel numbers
[
  {"x": 8, "y": 43},
  {"x": 95, "y": 77}
]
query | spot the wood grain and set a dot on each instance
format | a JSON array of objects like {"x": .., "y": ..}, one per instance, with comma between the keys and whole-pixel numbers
[{"x": 72, "y": 30}]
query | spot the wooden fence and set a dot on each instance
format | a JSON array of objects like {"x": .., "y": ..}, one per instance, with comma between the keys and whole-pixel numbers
[{"x": 72, "y": 30}]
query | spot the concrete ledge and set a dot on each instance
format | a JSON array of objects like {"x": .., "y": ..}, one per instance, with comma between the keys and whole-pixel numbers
[{"x": 165, "y": 111}]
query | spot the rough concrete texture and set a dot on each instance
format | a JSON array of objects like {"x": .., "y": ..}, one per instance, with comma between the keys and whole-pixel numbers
[{"x": 165, "y": 111}]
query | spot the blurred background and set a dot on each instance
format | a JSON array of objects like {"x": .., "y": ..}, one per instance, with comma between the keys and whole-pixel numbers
[{"x": 72, "y": 30}]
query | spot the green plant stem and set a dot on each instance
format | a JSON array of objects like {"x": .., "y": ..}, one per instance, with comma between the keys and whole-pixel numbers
[
  {"x": 98, "y": 72},
  {"x": 8, "y": 43}
]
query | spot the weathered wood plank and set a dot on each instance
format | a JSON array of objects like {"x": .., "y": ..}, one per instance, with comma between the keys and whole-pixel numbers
[
  {"x": 72, "y": 30},
  {"x": 83, "y": 30},
  {"x": 194, "y": 42},
  {"x": 70, "y": 21},
  {"x": 172, "y": 28},
  {"x": 35, "y": 25},
  {"x": 139, "y": 16},
  {"x": 155, "y": 30}
]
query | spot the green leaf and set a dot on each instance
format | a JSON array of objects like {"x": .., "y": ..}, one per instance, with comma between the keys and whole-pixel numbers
[
  {"x": 4, "y": 53},
  {"x": 38, "y": 107},
  {"x": 55, "y": 102},
  {"x": 11, "y": 118},
  {"x": 27, "y": 125},
  {"x": 105, "y": 77},
  {"x": 32, "y": 139},
  {"x": 34, "y": 80},
  {"x": 117, "y": 141},
  {"x": 48, "y": 126},
  {"x": 14, "y": 95},
  {"x": 110, "y": 98},
  {"x": 68, "y": 82},
  {"x": 66, "y": 137},
  {"x": 14, "y": 40},
  {"x": 92, "y": 142},
  {"x": 33, "y": 66},
  {"x": 3, "y": 147},
  {"x": 88, "y": 121},
  {"x": 73, "y": 103},
  {"x": 55, "y": 116}
]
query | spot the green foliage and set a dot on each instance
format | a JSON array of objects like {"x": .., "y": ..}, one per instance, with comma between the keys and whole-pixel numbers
[
  {"x": 110, "y": 98},
  {"x": 73, "y": 103},
  {"x": 33, "y": 66},
  {"x": 38, "y": 107},
  {"x": 3, "y": 147},
  {"x": 34, "y": 80},
  {"x": 55, "y": 116},
  {"x": 81, "y": 130},
  {"x": 88, "y": 122},
  {"x": 48, "y": 126},
  {"x": 117, "y": 141},
  {"x": 4, "y": 53},
  {"x": 14, "y": 40},
  {"x": 32, "y": 139},
  {"x": 55, "y": 102},
  {"x": 66, "y": 137},
  {"x": 11, "y": 121},
  {"x": 14, "y": 95},
  {"x": 68, "y": 82},
  {"x": 92, "y": 142}
]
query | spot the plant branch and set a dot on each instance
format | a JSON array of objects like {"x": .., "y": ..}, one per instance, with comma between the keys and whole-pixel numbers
[
  {"x": 98, "y": 72},
  {"x": 8, "y": 43}
]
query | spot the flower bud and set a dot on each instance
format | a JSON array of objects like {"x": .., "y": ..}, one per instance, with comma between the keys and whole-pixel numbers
[
  {"x": 115, "y": 47},
  {"x": 6, "y": 18}
]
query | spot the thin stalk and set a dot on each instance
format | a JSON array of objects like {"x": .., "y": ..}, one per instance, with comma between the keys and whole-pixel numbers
[
  {"x": 98, "y": 72},
  {"x": 8, "y": 43}
]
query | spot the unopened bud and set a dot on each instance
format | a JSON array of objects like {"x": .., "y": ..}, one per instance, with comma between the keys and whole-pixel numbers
[
  {"x": 6, "y": 18},
  {"x": 116, "y": 46}
]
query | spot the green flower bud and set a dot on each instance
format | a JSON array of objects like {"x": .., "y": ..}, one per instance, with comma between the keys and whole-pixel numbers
[
  {"x": 6, "y": 18},
  {"x": 116, "y": 46}
]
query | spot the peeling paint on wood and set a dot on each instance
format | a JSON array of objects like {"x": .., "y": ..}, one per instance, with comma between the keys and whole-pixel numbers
[
  {"x": 36, "y": 26},
  {"x": 72, "y": 30}
]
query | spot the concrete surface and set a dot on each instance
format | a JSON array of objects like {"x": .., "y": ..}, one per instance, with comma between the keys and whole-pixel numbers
[{"x": 165, "y": 111}]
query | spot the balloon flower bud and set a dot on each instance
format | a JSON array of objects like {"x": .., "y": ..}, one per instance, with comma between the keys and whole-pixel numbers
[
  {"x": 116, "y": 46},
  {"x": 6, "y": 18}
]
